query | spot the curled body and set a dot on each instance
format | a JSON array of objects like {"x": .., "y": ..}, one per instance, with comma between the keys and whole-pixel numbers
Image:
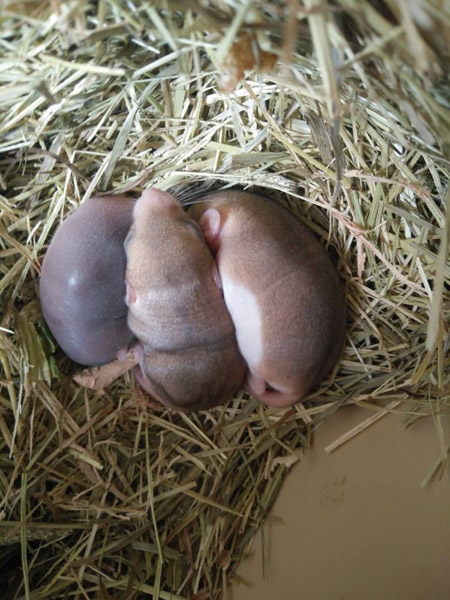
[
  {"x": 187, "y": 350},
  {"x": 82, "y": 281},
  {"x": 281, "y": 289}
]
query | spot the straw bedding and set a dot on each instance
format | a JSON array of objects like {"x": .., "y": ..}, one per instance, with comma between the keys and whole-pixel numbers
[{"x": 342, "y": 113}]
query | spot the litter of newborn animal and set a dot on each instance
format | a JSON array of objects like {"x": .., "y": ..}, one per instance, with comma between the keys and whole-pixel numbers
[{"x": 234, "y": 293}]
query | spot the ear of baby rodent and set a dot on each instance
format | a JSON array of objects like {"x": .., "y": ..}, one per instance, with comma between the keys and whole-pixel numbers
[
  {"x": 130, "y": 297},
  {"x": 210, "y": 222}
]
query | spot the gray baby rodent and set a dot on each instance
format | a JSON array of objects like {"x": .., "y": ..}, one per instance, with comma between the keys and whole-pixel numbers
[
  {"x": 188, "y": 354},
  {"x": 281, "y": 289},
  {"x": 82, "y": 283}
]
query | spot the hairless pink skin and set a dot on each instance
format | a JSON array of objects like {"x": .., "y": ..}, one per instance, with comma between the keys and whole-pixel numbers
[
  {"x": 82, "y": 284},
  {"x": 187, "y": 349},
  {"x": 281, "y": 290}
]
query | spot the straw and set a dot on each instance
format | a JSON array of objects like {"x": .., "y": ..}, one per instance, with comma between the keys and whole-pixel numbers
[{"x": 103, "y": 493}]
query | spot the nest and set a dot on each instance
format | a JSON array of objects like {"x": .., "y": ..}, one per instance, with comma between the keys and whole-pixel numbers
[{"x": 340, "y": 110}]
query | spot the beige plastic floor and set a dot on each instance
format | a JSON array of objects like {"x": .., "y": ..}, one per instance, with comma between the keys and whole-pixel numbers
[{"x": 355, "y": 525}]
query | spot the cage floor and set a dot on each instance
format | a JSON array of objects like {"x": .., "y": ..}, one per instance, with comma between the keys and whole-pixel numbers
[{"x": 356, "y": 524}]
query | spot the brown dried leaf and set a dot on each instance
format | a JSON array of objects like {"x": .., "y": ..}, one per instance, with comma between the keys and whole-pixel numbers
[
  {"x": 97, "y": 378},
  {"x": 245, "y": 55}
]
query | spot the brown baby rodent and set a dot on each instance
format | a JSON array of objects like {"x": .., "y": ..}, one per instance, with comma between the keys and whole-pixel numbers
[
  {"x": 82, "y": 281},
  {"x": 281, "y": 289},
  {"x": 189, "y": 358}
]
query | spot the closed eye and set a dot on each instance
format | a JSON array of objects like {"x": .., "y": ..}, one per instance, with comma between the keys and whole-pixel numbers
[{"x": 194, "y": 226}]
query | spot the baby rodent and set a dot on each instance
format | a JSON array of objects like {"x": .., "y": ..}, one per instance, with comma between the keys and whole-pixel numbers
[
  {"x": 281, "y": 289},
  {"x": 82, "y": 284},
  {"x": 188, "y": 354}
]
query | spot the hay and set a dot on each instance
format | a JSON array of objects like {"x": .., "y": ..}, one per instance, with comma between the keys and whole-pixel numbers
[{"x": 104, "y": 494}]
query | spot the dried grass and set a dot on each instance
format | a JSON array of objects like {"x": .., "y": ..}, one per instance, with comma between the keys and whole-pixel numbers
[{"x": 104, "y": 494}]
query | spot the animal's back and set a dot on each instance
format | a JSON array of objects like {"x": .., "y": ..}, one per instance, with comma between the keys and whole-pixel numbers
[
  {"x": 281, "y": 289},
  {"x": 82, "y": 282}
]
